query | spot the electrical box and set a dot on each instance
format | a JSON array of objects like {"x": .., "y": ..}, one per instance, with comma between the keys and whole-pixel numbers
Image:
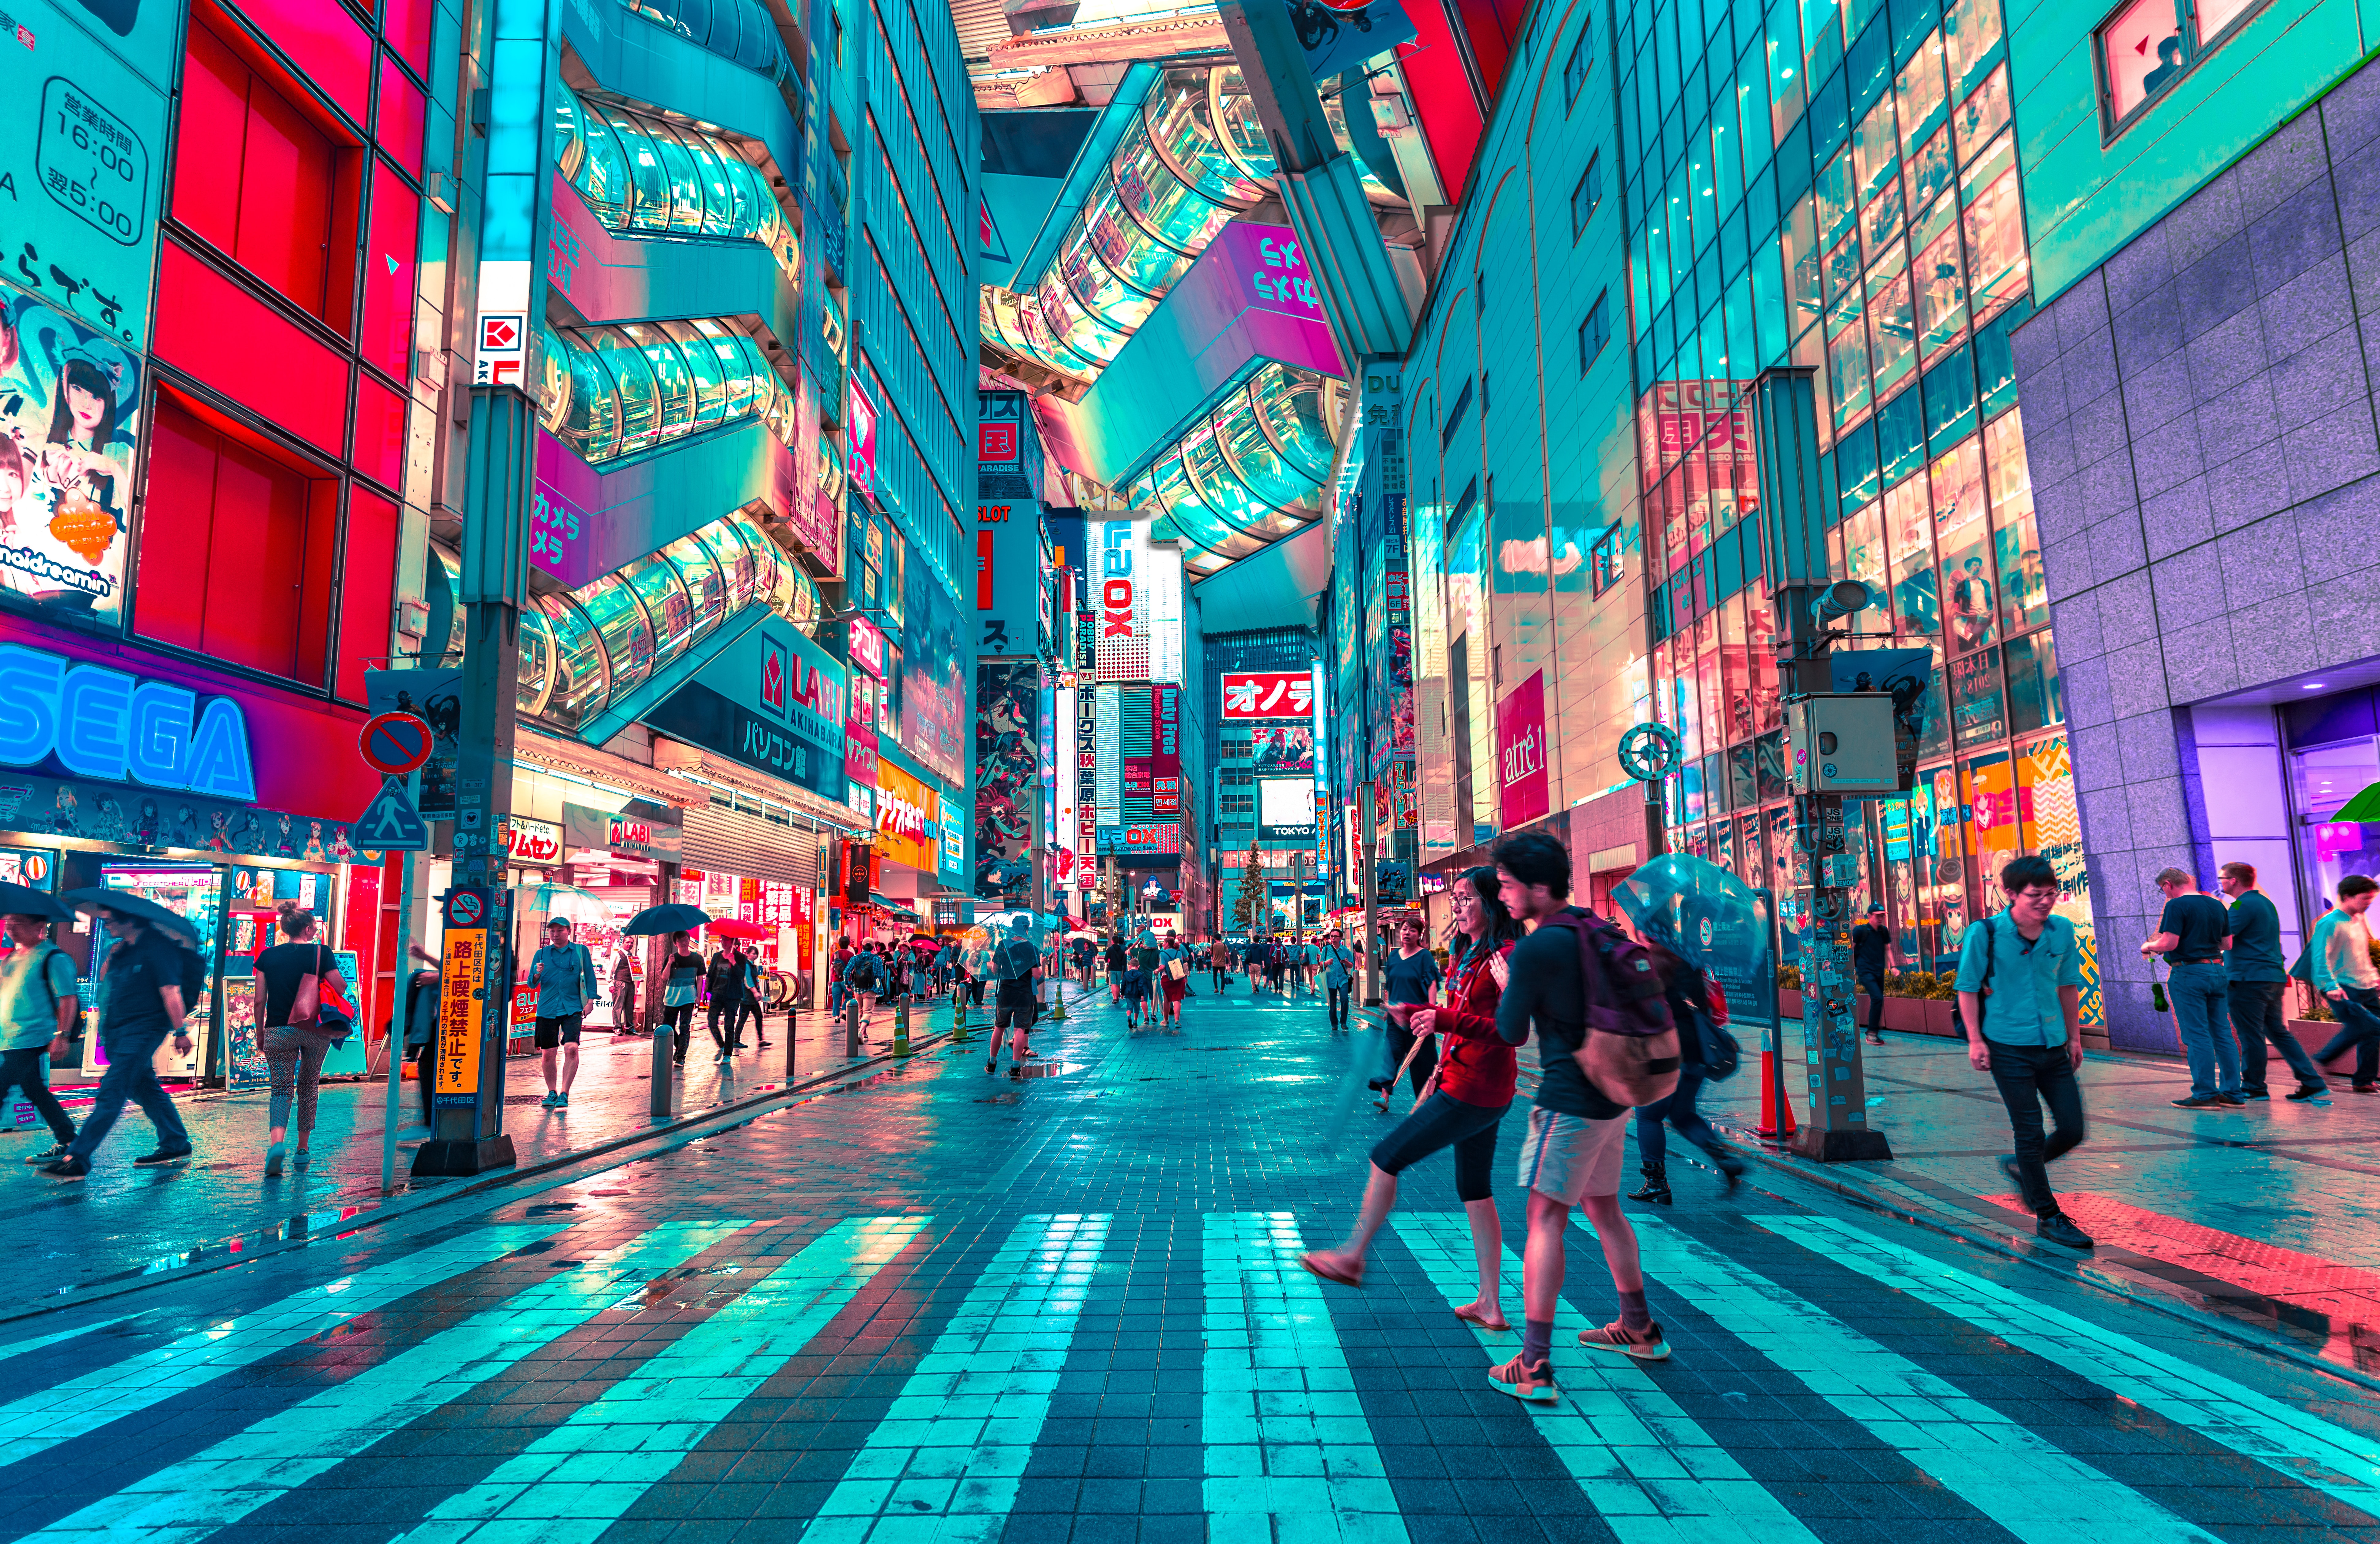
[{"x": 1844, "y": 743}]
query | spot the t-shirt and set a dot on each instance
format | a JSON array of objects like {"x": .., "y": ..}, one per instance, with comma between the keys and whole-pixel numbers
[
  {"x": 1868, "y": 946},
  {"x": 2255, "y": 952},
  {"x": 32, "y": 983},
  {"x": 1144, "y": 959},
  {"x": 1545, "y": 991},
  {"x": 282, "y": 967},
  {"x": 1115, "y": 956},
  {"x": 135, "y": 975},
  {"x": 1409, "y": 980},
  {"x": 2200, "y": 922},
  {"x": 2024, "y": 1008},
  {"x": 726, "y": 978}
]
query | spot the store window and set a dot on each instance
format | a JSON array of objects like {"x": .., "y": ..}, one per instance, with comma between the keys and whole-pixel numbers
[{"x": 2147, "y": 45}]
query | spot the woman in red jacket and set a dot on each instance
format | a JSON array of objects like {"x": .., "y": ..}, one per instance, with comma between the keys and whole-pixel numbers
[{"x": 1468, "y": 1096}]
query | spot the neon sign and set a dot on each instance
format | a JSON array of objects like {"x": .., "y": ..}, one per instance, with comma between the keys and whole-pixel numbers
[{"x": 108, "y": 725}]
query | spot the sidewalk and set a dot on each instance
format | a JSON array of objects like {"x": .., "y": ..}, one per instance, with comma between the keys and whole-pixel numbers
[
  {"x": 123, "y": 1220},
  {"x": 2264, "y": 1214}
]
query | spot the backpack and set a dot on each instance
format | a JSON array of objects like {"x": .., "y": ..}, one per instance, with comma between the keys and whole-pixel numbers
[
  {"x": 1991, "y": 925},
  {"x": 40, "y": 967},
  {"x": 1629, "y": 1052},
  {"x": 860, "y": 974}
]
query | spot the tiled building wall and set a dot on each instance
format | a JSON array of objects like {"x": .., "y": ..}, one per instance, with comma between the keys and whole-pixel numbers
[{"x": 2199, "y": 415}]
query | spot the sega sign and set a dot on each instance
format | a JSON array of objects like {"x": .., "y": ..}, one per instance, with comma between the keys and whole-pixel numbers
[
  {"x": 1267, "y": 694},
  {"x": 114, "y": 727}
]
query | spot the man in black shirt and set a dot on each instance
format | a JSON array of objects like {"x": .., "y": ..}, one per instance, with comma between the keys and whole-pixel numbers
[
  {"x": 1870, "y": 940},
  {"x": 727, "y": 983},
  {"x": 149, "y": 983},
  {"x": 1013, "y": 963},
  {"x": 1576, "y": 1138},
  {"x": 2191, "y": 935}
]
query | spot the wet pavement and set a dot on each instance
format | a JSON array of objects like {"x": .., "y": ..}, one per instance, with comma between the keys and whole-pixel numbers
[{"x": 937, "y": 1304}]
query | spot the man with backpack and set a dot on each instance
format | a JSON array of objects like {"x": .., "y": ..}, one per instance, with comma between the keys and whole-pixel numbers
[
  {"x": 2021, "y": 998},
  {"x": 1572, "y": 970},
  {"x": 1014, "y": 964},
  {"x": 862, "y": 977},
  {"x": 1338, "y": 976}
]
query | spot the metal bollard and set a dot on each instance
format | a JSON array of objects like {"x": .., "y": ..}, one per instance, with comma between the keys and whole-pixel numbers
[
  {"x": 901, "y": 1027},
  {"x": 851, "y": 1025}
]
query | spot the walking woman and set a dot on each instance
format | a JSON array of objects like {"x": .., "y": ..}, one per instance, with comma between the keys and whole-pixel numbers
[
  {"x": 681, "y": 983},
  {"x": 1695, "y": 1001},
  {"x": 1474, "y": 1089},
  {"x": 1407, "y": 977},
  {"x": 294, "y": 1052}
]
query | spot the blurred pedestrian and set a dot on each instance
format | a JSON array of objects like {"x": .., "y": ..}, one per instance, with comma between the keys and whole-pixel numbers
[
  {"x": 724, "y": 984},
  {"x": 294, "y": 979},
  {"x": 37, "y": 1006},
  {"x": 1871, "y": 945},
  {"x": 147, "y": 981},
  {"x": 2340, "y": 953},
  {"x": 1699, "y": 1008},
  {"x": 1338, "y": 976},
  {"x": 681, "y": 984},
  {"x": 624, "y": 995},
  {"x": 1408, "y": 976},
  {"x": 2256, "y": 980}
]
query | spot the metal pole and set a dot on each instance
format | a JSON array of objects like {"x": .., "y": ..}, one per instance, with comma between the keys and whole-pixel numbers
[
  {"x": 399, "y": 1021},
  {"x": 1367, "y": 876}
]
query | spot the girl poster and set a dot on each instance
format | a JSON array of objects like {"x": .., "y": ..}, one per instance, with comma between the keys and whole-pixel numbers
[{"x": 69, "y": 400}]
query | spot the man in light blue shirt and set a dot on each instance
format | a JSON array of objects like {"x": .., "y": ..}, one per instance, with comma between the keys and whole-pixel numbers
[
  {"x": 2021, "y": 998},
  {"x": 564, "y": 974},
  {"x": 37, "y": 1007}
]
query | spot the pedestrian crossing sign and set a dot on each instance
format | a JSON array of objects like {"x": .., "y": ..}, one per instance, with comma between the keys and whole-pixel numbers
[{"x": 390, "y": 823}]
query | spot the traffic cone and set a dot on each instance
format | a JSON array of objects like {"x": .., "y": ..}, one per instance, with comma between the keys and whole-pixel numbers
[{"x": 1767, "y": 1126}]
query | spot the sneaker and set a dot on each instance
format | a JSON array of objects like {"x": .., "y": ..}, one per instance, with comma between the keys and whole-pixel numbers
[
  {"x": 2308, "y": 1091},
  {"x": 161, "y": 1158},
  {"x": 273, "y": 1156},
  {"x": 1874, "y": 1039},
  {"x": 992, "y": 1067},
  {"x": 2058, "y": 1228},
  {"x": 1536, "y": 1384},
  {"x": 1016, "y": 1072},
  {"x": 2210, "y": 1102},
  {"x": 66, "y": 1168},
  {"x": 562, "y": 1100},
  {"x": 50, "y": 1154},
  {"x": 2363, "y": 1088},
  {"x": 301, "y": 1160},
  {"x": 1644, "y": 1344},
  {"x": 2234, "y": 1099},
  {"x": 2247, "y": 1094},
  {"x": 547, "y": 1102}
]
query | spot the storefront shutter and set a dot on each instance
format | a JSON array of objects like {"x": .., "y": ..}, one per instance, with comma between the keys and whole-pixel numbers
[{"x": 752, "y": 848}]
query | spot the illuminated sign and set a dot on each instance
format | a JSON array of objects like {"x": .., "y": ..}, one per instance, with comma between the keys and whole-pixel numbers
[
  {"x": 905, "y": 813},
  {"x": 106, "y": 724},
  {"x": 859, "y": 441},
  {"x": 528, "y": 841},
  {"x": 627, "y": 834},
  {"x": 866, "y": 648},
  {"x": 1267, "y": 694}
]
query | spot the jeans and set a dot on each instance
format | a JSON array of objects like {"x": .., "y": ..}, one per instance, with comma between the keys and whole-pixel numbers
[
  {"x": 680, "y": 1020},
  {"x": 294, "y": 1052},
  {"x": 1339, "y": 999},
  {"x": 1872, "y": 983},
  {"x": 2202, "y": 1007},
  {"x": 1222, "y": 979},
  {"x": 2029, "y": 1076},
  {"x": 2256, "y": 1019},
  {"x": 131, "y": 1074},
  {"x": 1677, "y": 1110},
  {"x": 22, "y": 1069},
  {"x": 2359, "y": 1026},
  {"x": 731, "y": 1009},
  {"x": 1444, "y": 1121}
]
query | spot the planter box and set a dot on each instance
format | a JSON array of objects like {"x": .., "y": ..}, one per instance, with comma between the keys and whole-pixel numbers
[{"x": 2313, "y": 1034}]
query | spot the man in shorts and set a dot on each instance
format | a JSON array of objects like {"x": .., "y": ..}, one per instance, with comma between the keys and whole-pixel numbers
[
  {"x": 1576, "y": 1138},
  {"x": 1013, "y": 964},
  {"x": 564, "y": 974}
]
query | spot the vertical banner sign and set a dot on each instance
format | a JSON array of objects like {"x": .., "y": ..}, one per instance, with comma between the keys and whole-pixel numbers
[
  {"x": 462, "y": 997},
  {"x": 1007, "y": 777},
  {"x": 859, "y": 439},
  {"x": 1521, "y": 752},
  {"x": 1165, "y": 752},
  {"x": 1086, "y": 764}
]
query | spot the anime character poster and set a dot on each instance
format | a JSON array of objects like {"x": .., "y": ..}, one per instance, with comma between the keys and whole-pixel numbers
[
  {"x": 69, "y": 409},
  {"x": 1007, "y": 778},
  {"x": 933, "y": 692},
  {"x": 1283, "y": 748}
]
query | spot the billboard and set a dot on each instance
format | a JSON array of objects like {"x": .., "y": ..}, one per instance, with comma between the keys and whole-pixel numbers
[
  {"x": 1521, "y": 752},
  {"x": 1267, "y": 694},
  {"x": 1283, "y": 748},
  {"x": 1285, "y": 809},
  {"x": 1165, "y": 752},
  {"x": 772, "y": 700},
  {"x": 931, "y": 679},
  {"x": 69, "y": 425},
  {"x": 1007, "y": 778},
  {"x": 1136, "y": 596},
  {"x": 906, "y": 816}
]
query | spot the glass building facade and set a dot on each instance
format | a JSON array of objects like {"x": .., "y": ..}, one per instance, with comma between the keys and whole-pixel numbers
[
  {"x": 1836, "y": 185},
  {"x": 646, "y": 175},
  {"x": 620, "y": 391}
]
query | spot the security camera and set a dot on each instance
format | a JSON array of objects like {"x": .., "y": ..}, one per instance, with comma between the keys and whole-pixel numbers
[{"x": 1843, "y": 597}]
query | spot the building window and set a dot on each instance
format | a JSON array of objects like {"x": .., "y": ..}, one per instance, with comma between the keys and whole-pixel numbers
[
  {"x": 1237, "y": 804},
  {"x": 1582, "y": 60},
  {"x": 1454, "y": 417},
  {"x": 2148, "y": 44},
  {"x": 1585, "y": 196},
  {"x": 1478, "y": 294},
  {"x": 1595, "y": 331},
  {"x": 1604, "y": 561}
]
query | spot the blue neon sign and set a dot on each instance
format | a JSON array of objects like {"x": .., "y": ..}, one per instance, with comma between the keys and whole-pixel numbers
[{"x": 114, "y": 727}]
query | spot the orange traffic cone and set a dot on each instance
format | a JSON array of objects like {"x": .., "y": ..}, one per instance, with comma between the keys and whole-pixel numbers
[{"x": 1767, "y": 1126}]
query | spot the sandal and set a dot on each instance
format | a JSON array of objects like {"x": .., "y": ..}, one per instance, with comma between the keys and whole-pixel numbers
[
  {"x": 1312, "y": 1261},
  {"x": 1470, "y": 1314}
]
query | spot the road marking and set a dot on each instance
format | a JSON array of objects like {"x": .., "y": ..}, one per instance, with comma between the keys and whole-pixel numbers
[
  {"x": 1650, "y": 1469},
  {"x": 219, "y": 1486},
  {"x": 944, "y": 1462},
  {"x": 2306, "y": 1448},
  {"x": 39, "y": 1422},
  {"x": 1285, "y": 1435},
  {"x": 23, "y": 1348},
  {"x": 2035, "y": 1489},
  {"x": 581, "y": 1477}
]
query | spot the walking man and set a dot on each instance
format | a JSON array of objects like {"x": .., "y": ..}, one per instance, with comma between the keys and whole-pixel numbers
[
  {"x": 1015, "y": 962},
  {"x": 727, "y": 983},
  {"x": 2252, "y": 963},
  {"x": 564, "y": 974},
  {"x": 149, "y": 979},
  {"x": 1338, "y": 976},
  {"x": 37, "y": 1014},
  {"x": 2023, "y": 968},
  {"x": 1870, "y": 941},
  {"x": 1577, "y": 1136},
  {"x": 2189, "y": 934},
  {"x": 2341, "y": 955}
]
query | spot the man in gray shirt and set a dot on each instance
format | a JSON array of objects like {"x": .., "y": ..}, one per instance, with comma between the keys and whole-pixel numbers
[{"x": 2257, "y": 979}]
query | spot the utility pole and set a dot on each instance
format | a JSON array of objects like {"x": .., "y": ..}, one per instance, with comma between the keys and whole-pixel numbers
[{"x": 1367, "y": 877}]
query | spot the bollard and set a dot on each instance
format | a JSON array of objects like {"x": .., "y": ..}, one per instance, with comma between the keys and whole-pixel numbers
[
  {"x": 851, "y": 1025},
  {"x": 901, "y": 1027}
]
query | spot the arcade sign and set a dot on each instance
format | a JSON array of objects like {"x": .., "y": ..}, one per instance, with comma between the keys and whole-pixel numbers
[
  {"x": 528, "y": 841},
  {"x": 114, "y": 727}
]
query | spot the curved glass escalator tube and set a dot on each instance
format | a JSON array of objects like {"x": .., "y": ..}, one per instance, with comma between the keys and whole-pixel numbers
[
  {"x": 582, "y": 679},
  {"x": 705, "y": 585},
  {"x": 612, "y": 392},
  {"x": 621, "y": 628},
  {"x": 650, "y": 176},
  {"x": 667, "y": 606},
  {"x": 536, "y": 673}
]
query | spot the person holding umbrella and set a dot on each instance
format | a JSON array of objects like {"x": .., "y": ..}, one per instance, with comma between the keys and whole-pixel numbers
[
  {"x": 147, "y": 982},
  {"x": 681, "y": 970},
  {"x": 37, "y": 1007}
]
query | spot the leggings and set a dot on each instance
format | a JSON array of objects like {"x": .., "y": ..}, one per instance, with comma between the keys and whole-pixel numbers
[
  {"x": 295, "y": 1052},
  {"x": 22, "y": 1069},
  {"x": 1444, "y": 1121},
  {"x": 1400, "y": 1042},
  {"x": 681, "y": 1022}
]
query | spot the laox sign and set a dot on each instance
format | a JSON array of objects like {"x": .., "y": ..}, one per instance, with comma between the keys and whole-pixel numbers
[{"x": 105, "y": 724}]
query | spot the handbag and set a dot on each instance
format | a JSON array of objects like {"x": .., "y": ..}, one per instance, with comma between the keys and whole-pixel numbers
[
  {"x": 306, "y": 1005},
  {"x": 334, "y": 1014}
]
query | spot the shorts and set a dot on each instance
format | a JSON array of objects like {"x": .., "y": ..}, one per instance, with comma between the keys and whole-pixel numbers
[
  {"x": 564, "y": 1031},
  {"x": 1009, "y": 1013},
  {"x": 1569, "y": 1158}
]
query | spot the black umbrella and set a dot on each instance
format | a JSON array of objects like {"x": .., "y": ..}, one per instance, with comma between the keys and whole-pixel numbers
[
  {"x": 147, "y": 910},
  {"x": 23, "y": 900},
  {"x": 655, "y": 920}
]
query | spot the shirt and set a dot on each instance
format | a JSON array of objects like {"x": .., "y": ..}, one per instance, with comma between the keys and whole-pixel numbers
[
  {"x": 282, "y": 967},
  {"x": 32, "y": 983},
  {"x": 2255, "y": 952},
  {"x": 2343, "y": 953},
  {"x": 2199, "y": 922},
  {"x": 1545, "y": 993},
  {"x": 132, "y": 984},
  {"x": 564, "y": 974},
  {"x": 2024, "y": 1008},
  {"x": 1341, "y": 973},
  {"x": 726, "y": 978},
  {"x": 1868, "y": 946},
  {"x": 1409, "y": 980}
]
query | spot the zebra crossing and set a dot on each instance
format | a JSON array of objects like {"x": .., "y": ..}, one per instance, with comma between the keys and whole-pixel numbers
[{"x": 1305, "y": 1429}]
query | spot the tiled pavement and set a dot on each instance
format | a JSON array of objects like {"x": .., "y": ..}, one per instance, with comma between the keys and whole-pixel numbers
[{"x": 943, "y": 1305}]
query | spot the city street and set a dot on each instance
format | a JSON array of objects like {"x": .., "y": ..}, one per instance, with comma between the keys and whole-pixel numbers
[{"x": 920, "y": 1302}]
